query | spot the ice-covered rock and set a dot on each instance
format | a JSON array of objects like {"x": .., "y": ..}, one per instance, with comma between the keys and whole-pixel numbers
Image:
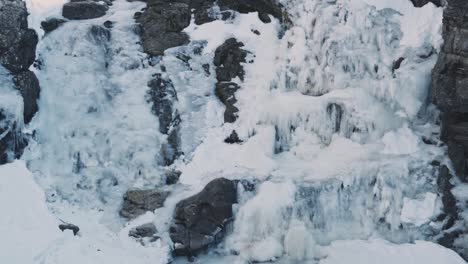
[{"x": 201, "y": 220}]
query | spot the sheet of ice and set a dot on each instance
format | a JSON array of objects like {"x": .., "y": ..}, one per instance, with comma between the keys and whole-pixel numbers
[
  {"x": 26, "y": 225},
  {"x": 419, "y": 212},
  {"x": 379, "y": 251}
]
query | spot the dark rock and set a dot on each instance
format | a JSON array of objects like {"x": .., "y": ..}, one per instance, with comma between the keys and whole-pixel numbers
[
  {"x": 200, "y": 220},
  {"x": 108, "y": 24},
  {"x": 172, "y": 177},
  {"x": 225, "y": 91},
  {"x": 138, "y": 202},
  {"x": 228, "y": 58},
  {"x": 265, "y": 18},
  {"x": 397, "y": 64},
  {"x": 28, "y": 85},
  {"x": 84, "y": 10},
  {"x": 52, "y": 24},
  {"x": 421, "y": 3},
  {"x": 21, "y": 54},
  {"x": 256, "y": 32},
  {"x": 145, "y": 230},
  {"x": 448, "y": 200},
  {"x": 71, "y": 227},
  {"x": 162, "y": 95},
  {"x": 272, "y": 7},
  {"x": 13, "y": 142},
  {"x": 162, "y": 23},
  {"x": 233, "y": 138}
]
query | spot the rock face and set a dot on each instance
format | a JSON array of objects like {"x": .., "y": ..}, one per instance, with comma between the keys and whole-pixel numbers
[
  {"x": 200, "y": 220},
  {"x": 450, "y": 94},
  {"x": 145, "y": 230},
  {"x": 138, "y": 202},
  {"x": 17, "y": 53},
  {"x": 84, "y": 10},
  {"x": 228, "y": 58},
  {"x": 450, "y": 85}
]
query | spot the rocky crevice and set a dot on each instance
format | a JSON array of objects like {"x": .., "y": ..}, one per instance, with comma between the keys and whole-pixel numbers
[{"x": 17, "y": 54}]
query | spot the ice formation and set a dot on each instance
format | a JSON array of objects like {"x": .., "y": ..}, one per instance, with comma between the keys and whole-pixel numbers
[{"x": 333, "y": 121}]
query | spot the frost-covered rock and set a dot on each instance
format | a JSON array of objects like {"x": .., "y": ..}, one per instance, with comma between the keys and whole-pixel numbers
[
  {"x": 200, "y": 220},
  {"x": 138, "y": 202},
  {"x": 84, "y": 10},
  {"x": 145, "y": 230}
]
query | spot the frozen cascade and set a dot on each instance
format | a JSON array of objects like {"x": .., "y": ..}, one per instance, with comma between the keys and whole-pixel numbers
[{"x": 336, "y": 133}]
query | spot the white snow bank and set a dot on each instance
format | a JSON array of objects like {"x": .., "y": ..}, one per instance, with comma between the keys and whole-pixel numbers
[
  {"x": 26, "y": 226},
  {"x": 382, "y": 252}
]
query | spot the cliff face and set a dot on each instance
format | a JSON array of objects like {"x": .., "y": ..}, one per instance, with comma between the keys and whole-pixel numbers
[
  {"x": 450, "y": 84},
  {"x": 17, "y": 54},
  {"x": 450, "y": 94}
]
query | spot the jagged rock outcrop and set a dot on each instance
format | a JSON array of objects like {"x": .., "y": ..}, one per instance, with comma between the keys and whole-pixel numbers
[
  {"x": 137, "y": 202},
  {"x": 228, "y": 60},
  {"x": 201, "y": 220},
  {"x": 17, "y": 54},
  {"x": 78, "y": 10},
  {"x": 143, "y": 231},
  {"x": 450, "y": 95}
]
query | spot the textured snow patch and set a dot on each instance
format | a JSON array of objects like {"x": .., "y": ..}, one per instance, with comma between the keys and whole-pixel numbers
[
  {"x": 419, "y": 212},
  {"x": 26, "y": 226},
  {"x": 382, "y": 252},
  {"x": 400, "y": 142}
]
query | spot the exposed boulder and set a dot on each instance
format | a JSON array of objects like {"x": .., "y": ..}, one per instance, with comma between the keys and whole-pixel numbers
[
  {"x": 138, "y": 202},
  {"x": 161, "y": 25},
  {"x": 272, "y": 7},
  {"x": 200, "y": 220},
  {"x": 52, "y": 24},
  {"x": 233, "y": 138},
  {"x": 75, "y": 229},
  {"x": 28, "y": 85},
  {"x": 172, "y": 177},
  {"x": 84, "y": 10},
  {"x": 421, "y": 3}
]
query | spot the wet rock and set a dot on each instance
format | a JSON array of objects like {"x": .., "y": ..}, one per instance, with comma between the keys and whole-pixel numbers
[
  {"x": 200, "y": 220},
  {"x": 228, "y": 58},
  {"x": 265, "y": 18},
  {"x": 28, "y": 85},
  {"x": 233, "y": 138},
  {"x": 145, "y": 230},
  {"x": 448, "y": 200},
  {"x": 225, "y": 91},
  {"x": 137, "y": 202},
  {"x": 52, "y": 24},
  {"x": 335, "y": 114},
  {"x": 71, "y": 227},
  {"x": 84, "y": 10}
]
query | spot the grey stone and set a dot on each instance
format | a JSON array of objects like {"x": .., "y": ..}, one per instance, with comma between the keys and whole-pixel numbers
[
  {"x": 52, "y": 24},
  {"x": 137, "y": 202},
  {"x": 84, "y": 10},
  {"x": 145, "y": 230},
  {"x": 200, "y": 221}
]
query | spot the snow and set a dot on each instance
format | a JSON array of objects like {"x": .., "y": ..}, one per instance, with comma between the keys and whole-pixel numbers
[
  {"x": 26, "y": 225},
  {"x": 379, "y": 251},
  {"x": 41, "y": 9},
  {"x": 419, "y": 212}
]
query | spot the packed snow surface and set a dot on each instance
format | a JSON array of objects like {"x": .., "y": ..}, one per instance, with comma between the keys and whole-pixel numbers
[{"x": 336, "y": 137}]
